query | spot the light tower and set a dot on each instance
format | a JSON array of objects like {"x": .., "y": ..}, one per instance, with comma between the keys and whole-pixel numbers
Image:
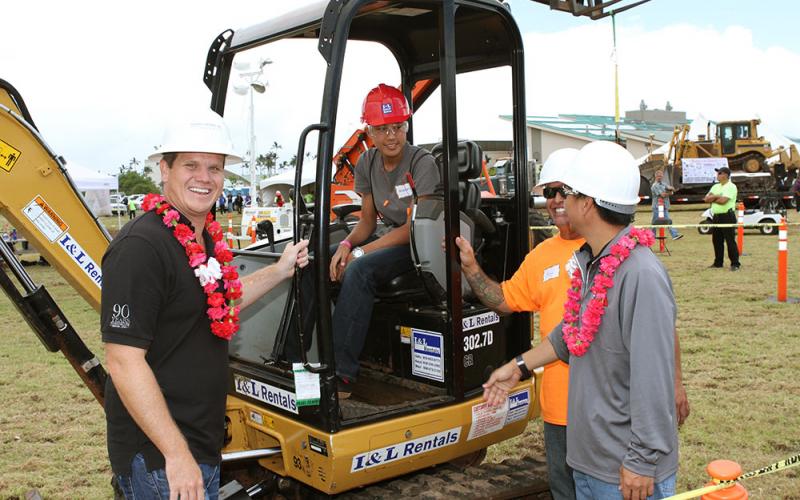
[{"x": 251, "y": 82}]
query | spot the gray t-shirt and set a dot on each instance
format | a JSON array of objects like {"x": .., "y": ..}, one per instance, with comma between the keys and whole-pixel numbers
[
  {"x": 621, "y": 405},
  {"x": 655, "y": 191},
  {"x": 390, "y": 190}
]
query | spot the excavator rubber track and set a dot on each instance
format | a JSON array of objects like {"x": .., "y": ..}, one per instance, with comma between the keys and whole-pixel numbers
[
  {"x": 524, "y": 478},
  {"x": 512, "y": 478}
]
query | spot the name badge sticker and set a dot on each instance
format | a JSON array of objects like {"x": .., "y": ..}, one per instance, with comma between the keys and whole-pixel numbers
[
  {"x": 403, "y": 190},
  {"x": 551, "y": 272}
]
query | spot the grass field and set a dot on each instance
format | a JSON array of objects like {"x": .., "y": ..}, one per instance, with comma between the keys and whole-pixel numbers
[{"x": 741, "y": 359}]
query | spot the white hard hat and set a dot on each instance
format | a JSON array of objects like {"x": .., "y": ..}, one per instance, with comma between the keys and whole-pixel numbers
[
  {"x": 204, "y": 133},
  {"x": 558, "y": 161},
  {"x": 608, "y": 173}
]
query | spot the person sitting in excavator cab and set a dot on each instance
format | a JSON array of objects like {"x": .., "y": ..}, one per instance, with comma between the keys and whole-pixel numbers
[{"x": 373, "y": 254}]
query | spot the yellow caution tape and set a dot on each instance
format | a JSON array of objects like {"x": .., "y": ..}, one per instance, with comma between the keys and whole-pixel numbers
[
  {"x": 769, "y": 469},
  {"x": 746, "y": 226}
]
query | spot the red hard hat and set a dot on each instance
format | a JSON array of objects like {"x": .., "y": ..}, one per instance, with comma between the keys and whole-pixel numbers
[{"x": 384, "y": 105}]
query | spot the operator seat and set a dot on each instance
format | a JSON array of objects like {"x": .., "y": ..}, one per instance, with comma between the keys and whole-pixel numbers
[{"x": 429, "y": 228}]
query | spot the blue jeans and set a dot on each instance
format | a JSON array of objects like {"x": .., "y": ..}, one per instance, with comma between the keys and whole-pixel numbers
[
  {"x": 144, "y": 485},
  {"x": 354, "y": 307},
  {"x": 672, "y": 230},
  {"x": 351, "y": 317},
  {"x": 562, "y": 487},
  {"x": 591, "y": 488}
]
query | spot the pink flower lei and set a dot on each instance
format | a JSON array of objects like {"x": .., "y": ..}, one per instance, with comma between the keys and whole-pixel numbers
[
  {"x": 579, "y": 339},
  {"x": 222, "y": 312}
]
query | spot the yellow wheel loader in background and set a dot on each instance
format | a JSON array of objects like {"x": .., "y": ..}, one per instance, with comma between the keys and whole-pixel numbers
[{"x": 431, "y": 343}]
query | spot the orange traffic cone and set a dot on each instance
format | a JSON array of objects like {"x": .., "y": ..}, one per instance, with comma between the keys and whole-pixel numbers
[
  {"x": 252, "y": 230},
  {"x": 661, "y": 234},
  {"x": 740, "y": 227},
  {"x": 783, "y": 264},
  {"x": 725, "y": 470}
]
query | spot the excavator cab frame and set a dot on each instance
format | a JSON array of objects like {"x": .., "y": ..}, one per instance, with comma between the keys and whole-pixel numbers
[{"x": 433, "y": 42}]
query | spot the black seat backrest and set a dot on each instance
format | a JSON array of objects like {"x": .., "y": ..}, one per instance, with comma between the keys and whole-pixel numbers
[{"x": 470, "y": 164}]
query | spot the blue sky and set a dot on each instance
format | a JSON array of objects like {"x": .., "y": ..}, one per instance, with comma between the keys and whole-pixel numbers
[{"x": 773, "y": 22}]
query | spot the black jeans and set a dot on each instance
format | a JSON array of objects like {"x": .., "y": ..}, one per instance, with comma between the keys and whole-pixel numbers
[{"x": 721, "y": 236}]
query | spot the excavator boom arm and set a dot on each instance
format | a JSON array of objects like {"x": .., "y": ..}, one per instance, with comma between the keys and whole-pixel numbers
[{"x": 38, "y": 198}]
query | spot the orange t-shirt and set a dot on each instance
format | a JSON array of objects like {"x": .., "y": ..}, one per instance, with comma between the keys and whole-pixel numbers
[{"x": 540, "y": 285}]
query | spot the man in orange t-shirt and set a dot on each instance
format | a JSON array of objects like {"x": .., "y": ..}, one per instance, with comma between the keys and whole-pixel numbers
[{"x": 540, "y": 285}]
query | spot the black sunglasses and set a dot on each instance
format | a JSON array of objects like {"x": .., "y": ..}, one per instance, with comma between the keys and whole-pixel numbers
[{"x": 551, "y": 192}]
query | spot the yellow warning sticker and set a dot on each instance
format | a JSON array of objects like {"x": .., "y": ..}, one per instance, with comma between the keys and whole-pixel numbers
[
  {"x": 8, "y": 156},
  {"x": 45, "y": 218},
  {"x": 405, "y": 334}
]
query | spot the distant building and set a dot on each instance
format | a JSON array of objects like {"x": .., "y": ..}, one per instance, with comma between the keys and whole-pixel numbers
[
  {"x": 657, "y": 115},
  {"x": 155, "y": 171},
  {"x": 639, "y": 130}
]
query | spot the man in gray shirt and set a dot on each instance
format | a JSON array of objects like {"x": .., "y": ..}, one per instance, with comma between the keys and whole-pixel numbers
[
  {"x": 370, "y": 256},
  {"x": 617, "y": 336},
  {"x": 660, "y": 190}
]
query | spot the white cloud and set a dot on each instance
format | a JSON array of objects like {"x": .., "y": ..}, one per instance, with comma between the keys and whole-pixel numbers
[{"x": 100, "y": 81}]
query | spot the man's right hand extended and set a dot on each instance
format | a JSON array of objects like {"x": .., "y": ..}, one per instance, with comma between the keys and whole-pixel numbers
[
  {"x": 184, "y": 477},
  {"x": 502, "y": 380},
  {"x": 466, "y": 254}
]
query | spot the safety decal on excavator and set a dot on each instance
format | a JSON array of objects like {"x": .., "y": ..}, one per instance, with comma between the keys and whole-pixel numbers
[
  {"x": 405, "y": 334},
  {"x": 486, "y": 419},
  {"x": 8, "y": 156},
  {"x": 45, "y": 218},
  {"x": 399, "y": 451},
  {"x": 427, "y": 354}
]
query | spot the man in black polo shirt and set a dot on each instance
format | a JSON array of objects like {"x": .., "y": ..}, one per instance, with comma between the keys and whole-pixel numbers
[{"x": 167, "y": 312}]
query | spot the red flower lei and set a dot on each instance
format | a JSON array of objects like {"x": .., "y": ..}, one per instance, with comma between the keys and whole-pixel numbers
[
  {"x": 579, "y": 339},
  {"x": 224, "y": 317}
]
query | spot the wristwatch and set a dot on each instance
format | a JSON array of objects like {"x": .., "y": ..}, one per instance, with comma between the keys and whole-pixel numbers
[
  {"x": 357, "y": 252},
  {"x": 526, "y": 374}
]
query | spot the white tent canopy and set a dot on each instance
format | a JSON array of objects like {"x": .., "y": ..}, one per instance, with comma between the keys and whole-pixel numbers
[
  {"x": 97, "y": 187},
  {"x": 85, "y": 179},
  {"x": 283, "y": 182},
  {"x": 287, "y": 178}
]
